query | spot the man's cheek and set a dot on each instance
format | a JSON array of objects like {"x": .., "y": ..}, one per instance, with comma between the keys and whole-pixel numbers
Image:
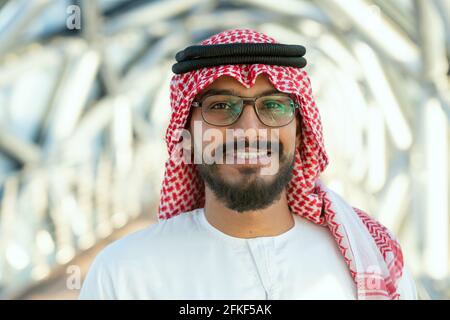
[
  {"x": 212, "y": 154},
  {"x": 211, "y": 140}
]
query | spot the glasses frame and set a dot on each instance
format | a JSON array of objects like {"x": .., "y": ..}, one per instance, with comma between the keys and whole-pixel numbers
[{"x": 245, "y": 101}]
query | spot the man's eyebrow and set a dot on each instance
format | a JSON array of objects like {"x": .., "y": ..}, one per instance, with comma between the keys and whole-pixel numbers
[{"x": 211, "y": 92}]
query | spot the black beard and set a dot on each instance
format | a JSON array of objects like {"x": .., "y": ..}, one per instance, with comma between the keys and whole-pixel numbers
[{"x": 255, "y": 195}]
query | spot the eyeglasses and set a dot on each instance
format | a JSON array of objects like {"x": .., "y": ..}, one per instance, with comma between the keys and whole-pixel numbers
[{"x": 224, "y": 110}]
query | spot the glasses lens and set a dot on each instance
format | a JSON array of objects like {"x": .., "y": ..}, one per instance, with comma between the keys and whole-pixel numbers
[
  {"x": 221, "y": 110},
  {"x": 275, "y": 110}
]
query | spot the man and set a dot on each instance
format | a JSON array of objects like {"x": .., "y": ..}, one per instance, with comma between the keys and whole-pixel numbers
[{"x": 243, "y": 213}]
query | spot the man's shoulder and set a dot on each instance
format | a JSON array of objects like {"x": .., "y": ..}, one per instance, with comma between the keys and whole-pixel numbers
[
  {"x": 145, "y": 252},
  {"x": 161, "y": 236}
]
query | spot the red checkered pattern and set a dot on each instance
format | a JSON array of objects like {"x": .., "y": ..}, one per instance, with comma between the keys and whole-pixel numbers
[{"x": 183, "y": 189}]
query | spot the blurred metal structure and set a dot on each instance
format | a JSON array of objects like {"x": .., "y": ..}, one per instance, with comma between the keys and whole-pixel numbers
[{"x": 83, "y": 113}]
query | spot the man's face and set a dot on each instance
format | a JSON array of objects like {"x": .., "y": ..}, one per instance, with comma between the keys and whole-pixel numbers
[{"x": 244, "y": 183}]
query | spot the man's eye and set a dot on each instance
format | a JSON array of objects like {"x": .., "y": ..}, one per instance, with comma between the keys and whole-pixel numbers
[
  {"x": 220, "y": 106},
  {"x": 273, "y": 105}
]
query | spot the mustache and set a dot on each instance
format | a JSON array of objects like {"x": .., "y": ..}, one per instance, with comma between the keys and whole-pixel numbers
[{"x": 259, "y": 145}]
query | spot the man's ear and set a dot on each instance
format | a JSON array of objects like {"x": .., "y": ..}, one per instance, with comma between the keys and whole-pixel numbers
[
  {"x": 187, "y": 126},
  {"x": 298, "y": 132}
]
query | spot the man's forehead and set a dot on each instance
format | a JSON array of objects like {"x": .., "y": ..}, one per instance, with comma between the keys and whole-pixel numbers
[{"x": 262, "y": 84}]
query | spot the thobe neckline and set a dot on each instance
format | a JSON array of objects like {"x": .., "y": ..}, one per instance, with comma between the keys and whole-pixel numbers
[{"x": 238, "y": 240}]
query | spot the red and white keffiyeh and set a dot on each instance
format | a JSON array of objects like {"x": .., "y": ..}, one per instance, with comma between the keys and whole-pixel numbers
[{"x": 371, "y": 252}]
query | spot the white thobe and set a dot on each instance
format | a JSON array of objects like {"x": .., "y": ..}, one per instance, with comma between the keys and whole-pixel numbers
[{"x": 185, "y": 257}]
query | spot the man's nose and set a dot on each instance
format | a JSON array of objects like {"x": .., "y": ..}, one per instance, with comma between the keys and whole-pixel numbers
[{"x": 248, "y": 118}]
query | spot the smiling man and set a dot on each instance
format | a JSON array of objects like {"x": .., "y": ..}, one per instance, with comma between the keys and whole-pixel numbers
[{"x": 252, "y": 219}]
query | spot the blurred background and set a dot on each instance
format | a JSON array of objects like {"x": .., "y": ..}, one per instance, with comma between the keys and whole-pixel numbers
[{"x": 84, "y": 103}]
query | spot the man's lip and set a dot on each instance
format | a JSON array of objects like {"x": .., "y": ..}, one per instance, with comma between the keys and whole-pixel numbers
[
  {"x": 248, "y": 151},
  {"x": 248, "y": 158}
]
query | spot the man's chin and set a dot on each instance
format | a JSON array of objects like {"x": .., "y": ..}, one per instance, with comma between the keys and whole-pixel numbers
[
  {"x": 242, "y": 174},
  {"x": 246, "y": 188}
]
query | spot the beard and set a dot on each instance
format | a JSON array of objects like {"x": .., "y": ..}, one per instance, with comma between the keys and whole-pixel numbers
[{"x": 253, "y": 193}]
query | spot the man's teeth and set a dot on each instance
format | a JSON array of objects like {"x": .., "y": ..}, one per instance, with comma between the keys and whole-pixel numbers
[{"x": 250, "y": 155}]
